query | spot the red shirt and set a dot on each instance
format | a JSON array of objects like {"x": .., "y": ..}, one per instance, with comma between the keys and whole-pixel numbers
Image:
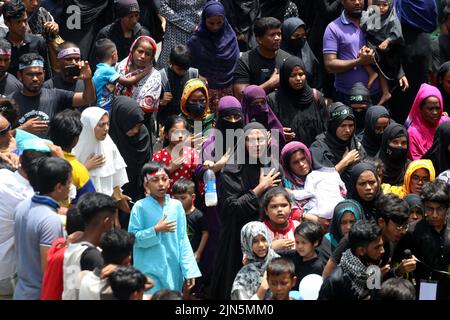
[
  {"x": 52, "y": 281},
  {"x": 185, "y": 171}
]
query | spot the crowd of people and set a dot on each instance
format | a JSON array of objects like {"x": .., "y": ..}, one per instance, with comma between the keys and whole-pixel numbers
[{"x": 325, "y": 124}]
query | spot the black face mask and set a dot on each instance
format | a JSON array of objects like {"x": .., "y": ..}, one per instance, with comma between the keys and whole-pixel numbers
[
  {"x": 360, "y": 118},
  {"x": 196, "y": 109},
  {"x": 297, "y": 44},
  {"x": 396, "y": 154},
  {"x": 228, "y": 125}
]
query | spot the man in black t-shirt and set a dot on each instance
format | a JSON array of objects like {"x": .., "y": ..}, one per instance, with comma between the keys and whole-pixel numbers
[
  {"x": 8, "y": 83},
  {"x": 126, "y": 29},
  {"x": 261, "y": 65},
  {"x": 38, "y": 105},
  {"x": 68, "y": 55},
  {"x": 16, "y": 20}
]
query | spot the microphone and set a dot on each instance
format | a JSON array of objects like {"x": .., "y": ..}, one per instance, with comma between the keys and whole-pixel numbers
[{"x": 407, "y": 253}]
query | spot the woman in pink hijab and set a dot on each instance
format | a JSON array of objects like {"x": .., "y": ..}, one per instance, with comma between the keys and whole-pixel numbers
[{"x": 423, "y": 119}]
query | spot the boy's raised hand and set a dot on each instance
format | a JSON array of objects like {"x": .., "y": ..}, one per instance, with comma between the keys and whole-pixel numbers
[{"x": 166, "y": 226}]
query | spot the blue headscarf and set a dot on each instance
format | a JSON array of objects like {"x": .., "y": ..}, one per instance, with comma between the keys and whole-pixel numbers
[
  {"x": 216, "y": 54},
  {"x": 335, "y": 235},
  {"x": 420, "y": 14}
]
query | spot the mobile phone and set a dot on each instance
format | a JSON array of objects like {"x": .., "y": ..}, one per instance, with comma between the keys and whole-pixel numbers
[{"x": 71, "y": 71}]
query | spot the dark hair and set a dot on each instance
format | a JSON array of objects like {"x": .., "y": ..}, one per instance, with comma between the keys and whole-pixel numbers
[
  {"x": 269, "y": 195},
  {"x": 116, "y": 246},
  {"x": 28, "y": 58},
  {"x": 103, "y": 49},
  {"x": 13, "y": 9},
  {"x": 4, "y": 44},
  {"x": 180, "y": 55},
  {"x": 29, "y": 161},
  {"x": 139, "y": 42},
  {"x": 50, "y": 172},
  {"x": 126, "y": 280},
  {"x": 66, "y": 45},
  {"x": 436, "y": 191},
  {"x": 311, "y": 231},
  {"x": 9, "y": 110},
  {"x": 391, "y": 207},
  {"x": 152, "y": 167},
  {"x": 183, "y": 186},
  {"x": 279, "y": 266},
  {"x": 65, "y": 128},
  {"x": 377, "y": 163},
  {"x": 397, "y": 289},
  {"x": 265, "y": 24},
  {"x": 169, "y": 123},
  {"x": 167, "y": 294},
  {"x": 74, "y": 220},
  {"x": 93, "y": 205},
  {"x": 362, "y": 233}
]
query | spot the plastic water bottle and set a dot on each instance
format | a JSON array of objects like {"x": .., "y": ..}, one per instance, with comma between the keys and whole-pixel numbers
[{"x": 209, "y": 178}]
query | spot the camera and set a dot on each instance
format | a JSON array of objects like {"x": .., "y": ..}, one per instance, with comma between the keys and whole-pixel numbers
[{"x": 71, "y": 71}]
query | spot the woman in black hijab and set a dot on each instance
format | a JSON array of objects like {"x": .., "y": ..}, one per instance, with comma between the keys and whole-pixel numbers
[
  {"x": 364, "y": 187},
  {"x": 439, "y": 152},
  {"x": 443, "y": 84},
  {"x": 359, "y": 100},
  {"x": 296, "y": 104},
  {"x": 132, "y": 139},
  {"x": 293, "y": 41},
  {"x": 338, "y": 146},
  {"x": 394, "y": 153},
  {"x": 241, "y": 187},
  {"x": 377, "y": 119}
]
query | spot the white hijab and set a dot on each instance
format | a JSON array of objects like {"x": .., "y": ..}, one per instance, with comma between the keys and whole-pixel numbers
[{"x": 113, "y": 172}]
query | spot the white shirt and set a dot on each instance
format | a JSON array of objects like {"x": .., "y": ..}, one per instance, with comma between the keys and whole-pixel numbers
[{"x": 13, "y": 189}]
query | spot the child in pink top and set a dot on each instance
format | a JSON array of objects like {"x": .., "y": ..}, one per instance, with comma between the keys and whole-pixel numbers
[{"x": 181, "y": 159}]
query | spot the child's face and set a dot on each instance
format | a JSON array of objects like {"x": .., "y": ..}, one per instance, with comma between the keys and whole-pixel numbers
[
  {"x": 278, "y": 210},
  {"x": 415, "y": 214},
  {"x": 157, "y": 185},
  {"x": 260, "y": 246},
  {"x": 304, "y": 247},
  {"x": 177, "y": 133},
  {"x": 186, "y": 200},
  {"x": 384, "y": 7},
  {"x": 280, "y": 285}
]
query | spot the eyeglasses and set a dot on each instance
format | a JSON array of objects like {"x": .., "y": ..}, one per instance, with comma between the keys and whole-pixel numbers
[
  {"x": 441, "y": 210},
  {"x": 5, "y": 130},
  {"x": 424, "y": 179}
]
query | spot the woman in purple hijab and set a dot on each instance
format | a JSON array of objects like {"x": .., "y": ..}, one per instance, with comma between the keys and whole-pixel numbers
[
  {"x": 256, "y": 108},
  {"x": 215, "y": 51},
  {"x": 214, "y": 155}
]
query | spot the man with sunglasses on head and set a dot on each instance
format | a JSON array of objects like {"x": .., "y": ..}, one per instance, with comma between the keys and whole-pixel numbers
[{"x": 429, "y": 239}]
